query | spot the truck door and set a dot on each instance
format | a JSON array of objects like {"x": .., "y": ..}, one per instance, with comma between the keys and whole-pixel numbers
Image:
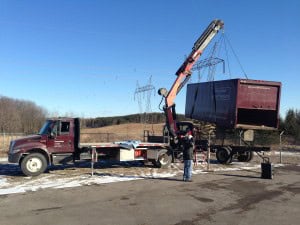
[{"x": 61, "y": 138}]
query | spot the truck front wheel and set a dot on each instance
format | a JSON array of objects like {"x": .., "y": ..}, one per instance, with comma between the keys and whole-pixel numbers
[{"x": 34, "y": 164}]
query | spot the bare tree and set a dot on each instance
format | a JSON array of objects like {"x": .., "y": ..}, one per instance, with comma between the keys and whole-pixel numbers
[{"x": 20, "y": 115}]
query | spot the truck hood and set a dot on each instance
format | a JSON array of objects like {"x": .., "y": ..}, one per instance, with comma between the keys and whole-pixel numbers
[
  {"x": 34, "y": 137},
  {"x": 24, "y": 141}
]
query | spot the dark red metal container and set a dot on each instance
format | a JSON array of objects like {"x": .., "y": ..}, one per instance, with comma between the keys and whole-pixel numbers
[{"x": 235, "y": 103}]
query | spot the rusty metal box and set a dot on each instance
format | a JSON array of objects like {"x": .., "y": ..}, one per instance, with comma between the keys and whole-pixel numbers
[{"x": 235, "y": 103}]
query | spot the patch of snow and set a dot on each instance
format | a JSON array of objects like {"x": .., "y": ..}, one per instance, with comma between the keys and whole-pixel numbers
[
  {"x": 250, "y": 167},
  {"x": 12, "y": 190},
  {"x": 287, "y": 153},
  {"x": 89, "y": 180},
  {"x": 3, "y": 181},
  {"x": 278, "y": 165},
  {"x": 51, "y": 181}
]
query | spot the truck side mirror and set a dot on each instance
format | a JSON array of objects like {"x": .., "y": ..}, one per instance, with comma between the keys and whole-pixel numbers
[
  {"x": 49, "y": 132},
  {"x": 52, "y": 135}
]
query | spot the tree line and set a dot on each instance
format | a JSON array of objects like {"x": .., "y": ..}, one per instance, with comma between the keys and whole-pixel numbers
[
  {"x": 133, "y": 118},
  {"x": 291, "y": 124},
  {"x": 20, "y": 116}
]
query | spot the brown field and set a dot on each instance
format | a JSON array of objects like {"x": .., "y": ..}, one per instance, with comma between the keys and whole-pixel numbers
[{"x": 131, "y": 131}]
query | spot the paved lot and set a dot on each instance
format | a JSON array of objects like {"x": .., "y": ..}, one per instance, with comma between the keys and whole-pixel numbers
[{"x": 222, "y": 197}]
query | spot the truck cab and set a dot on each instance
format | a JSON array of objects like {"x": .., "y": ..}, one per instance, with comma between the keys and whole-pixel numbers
[
  {"x": 59, "y": 135},
  {"x": 56, "y": 137}
]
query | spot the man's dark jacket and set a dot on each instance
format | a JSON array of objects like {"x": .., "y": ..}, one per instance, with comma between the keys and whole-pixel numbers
[{"x": 188, "y": 148}]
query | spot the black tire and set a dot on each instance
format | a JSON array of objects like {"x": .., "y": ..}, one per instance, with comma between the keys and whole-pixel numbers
[
  {"x": 245, "y": 157},
  {"x": 223, "y": 155},
  {"x": 242, "y": 158},
  {"x": 250, "y": 156},
  {"x": 164, "y": 159},
  {"x": 153, "y": 162},
  {"x": 34, "y": 164}
]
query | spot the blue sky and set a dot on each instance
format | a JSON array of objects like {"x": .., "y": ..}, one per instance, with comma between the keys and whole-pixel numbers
[{"x": 84, "y": 58}]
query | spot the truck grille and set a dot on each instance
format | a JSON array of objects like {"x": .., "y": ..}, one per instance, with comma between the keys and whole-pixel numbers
[{"x": 11, "y": 146}]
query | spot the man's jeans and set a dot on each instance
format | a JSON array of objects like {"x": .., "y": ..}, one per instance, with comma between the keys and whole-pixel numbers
[{"x": 188, "y": 167}]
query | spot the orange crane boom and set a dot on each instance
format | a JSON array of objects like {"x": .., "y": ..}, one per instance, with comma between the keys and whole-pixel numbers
[{"x": 184, "y": 73}]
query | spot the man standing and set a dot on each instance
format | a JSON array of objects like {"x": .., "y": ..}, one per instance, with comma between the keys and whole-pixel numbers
[{"x": 188, "y": 148}]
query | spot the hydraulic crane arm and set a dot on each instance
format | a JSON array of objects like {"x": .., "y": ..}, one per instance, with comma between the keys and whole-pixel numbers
[{"x": 184, "y": 74}]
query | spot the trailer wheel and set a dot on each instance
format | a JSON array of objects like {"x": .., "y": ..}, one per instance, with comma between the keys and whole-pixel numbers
[
  {"x": 34, "y": 164},
  {"x": 246, "y": 156},
  {"x": 250, "y": 156},
  {"x": 164, "y": 159},
  {"x": 223, "y": 155}
]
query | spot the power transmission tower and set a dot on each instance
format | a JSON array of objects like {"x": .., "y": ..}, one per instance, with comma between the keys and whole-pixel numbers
[
  {"x": 140, "y": 94},
  {"x": 210, "y": 63}
]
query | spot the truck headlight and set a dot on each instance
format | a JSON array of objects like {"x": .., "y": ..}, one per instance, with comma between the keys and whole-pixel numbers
[{"x": 15, "y": 150}]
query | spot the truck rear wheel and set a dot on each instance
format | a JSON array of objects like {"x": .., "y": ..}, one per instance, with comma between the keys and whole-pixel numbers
[
  {"x": 164, "y": 159},
  {"x": 223, "y": 155},
  {"x": 34, "y": 164}
]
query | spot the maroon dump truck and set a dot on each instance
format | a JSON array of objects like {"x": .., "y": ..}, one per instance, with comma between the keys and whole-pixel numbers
[
  {"x": 235, "y": 104},
  {"x": 58, "y": 142}
]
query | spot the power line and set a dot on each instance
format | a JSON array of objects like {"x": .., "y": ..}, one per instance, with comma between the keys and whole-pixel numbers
[{"x": 237, "y": 58}]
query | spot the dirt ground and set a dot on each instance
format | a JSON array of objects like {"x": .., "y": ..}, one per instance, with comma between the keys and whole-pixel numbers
[{"x": 233, "y": 194}]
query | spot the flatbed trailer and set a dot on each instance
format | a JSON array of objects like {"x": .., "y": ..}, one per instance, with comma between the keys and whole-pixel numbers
[
  {"x": 128, "y": 151},
  {"x": 226, "y": 153},
  {"x": 216, "y": 143}
]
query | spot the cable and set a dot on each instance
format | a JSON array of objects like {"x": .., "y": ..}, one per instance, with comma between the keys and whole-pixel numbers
[
  {"x": 159, "y": 106},
  {"x": 236, "y": 56},
  {"x": 227, "y": 58}
]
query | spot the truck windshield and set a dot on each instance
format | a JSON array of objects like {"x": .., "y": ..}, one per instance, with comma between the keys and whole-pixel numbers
[{"x": 45, "y": 128}]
